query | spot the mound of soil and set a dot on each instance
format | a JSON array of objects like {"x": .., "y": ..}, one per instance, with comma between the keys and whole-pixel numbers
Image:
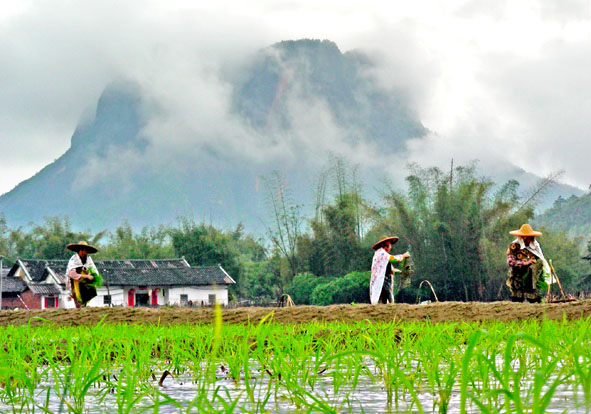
[{"x": 435, "y": 312}]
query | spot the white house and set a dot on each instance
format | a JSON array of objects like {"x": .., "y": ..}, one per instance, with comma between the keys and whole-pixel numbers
[{"x": 134, "y": 282}]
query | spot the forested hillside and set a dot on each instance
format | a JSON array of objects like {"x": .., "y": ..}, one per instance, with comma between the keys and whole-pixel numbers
[{"x": 571, "y": 215}]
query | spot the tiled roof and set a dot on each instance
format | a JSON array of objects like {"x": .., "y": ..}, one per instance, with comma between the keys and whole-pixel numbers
[
  {"x": 44, "y": 289},
  {"x": 137, "y": 272},
  {"x": 171, "y": 276},
  {"x": 37, "y": 269},
  {"x": 141, "y": 263},
  {"x": 13, "y": 285}
]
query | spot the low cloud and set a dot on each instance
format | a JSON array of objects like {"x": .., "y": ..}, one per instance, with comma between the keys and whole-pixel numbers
[{"x": 502, "y": 83}]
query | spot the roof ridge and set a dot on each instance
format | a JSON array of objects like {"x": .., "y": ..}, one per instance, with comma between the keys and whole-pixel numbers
[
  {"x": 157, "y": 268},
  {"x": 44, "y": 260},
  {"x": 134, "y": 260}
]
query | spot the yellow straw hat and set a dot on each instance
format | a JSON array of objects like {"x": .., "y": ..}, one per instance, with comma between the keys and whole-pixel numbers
[
  {"x": 82, "y": 245},
  {"x": 525, "y": 231}
]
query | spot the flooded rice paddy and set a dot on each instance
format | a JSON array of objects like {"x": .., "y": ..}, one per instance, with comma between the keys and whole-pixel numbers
[{"x": 527, "y": 366}]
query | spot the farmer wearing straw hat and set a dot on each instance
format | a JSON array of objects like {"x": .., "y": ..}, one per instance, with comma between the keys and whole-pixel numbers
[
  {"x": 82, "y": 275},
  {"x": 527, "y": 266},
  {"x": 381, "y": 283}
]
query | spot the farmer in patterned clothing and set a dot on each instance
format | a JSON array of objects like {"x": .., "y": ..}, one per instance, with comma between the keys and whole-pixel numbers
[
  {"x": 81, "y": 274},
  {"x": 528, "y": 269},
  {"x": 382, "y": 271}
]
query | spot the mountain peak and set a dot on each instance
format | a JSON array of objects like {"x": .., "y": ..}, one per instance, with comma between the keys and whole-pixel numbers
[
  {"x": 309, "y": 44},
  {"x": 118, "y": 119},
  {"x": 272, "y": 93}
]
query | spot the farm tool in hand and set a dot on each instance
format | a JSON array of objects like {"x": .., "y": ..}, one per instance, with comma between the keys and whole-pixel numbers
[{"x": 564, "y": 297}]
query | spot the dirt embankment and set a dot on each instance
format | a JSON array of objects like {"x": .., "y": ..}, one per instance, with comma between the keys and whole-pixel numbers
[{"x": 435, "y": 312}]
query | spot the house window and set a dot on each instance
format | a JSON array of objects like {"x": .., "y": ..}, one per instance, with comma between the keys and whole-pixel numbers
[
  {"x": 50, "y": 302},
  {"x": 107, "y": 300},
  {"x": 211, "y": 299},
  {"x": 184, "y": 300}
]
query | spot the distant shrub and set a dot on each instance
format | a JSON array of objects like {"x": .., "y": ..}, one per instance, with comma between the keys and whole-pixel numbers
[
  {"x": 353, "y": 287},
  {"x": 302, "y": 286}
]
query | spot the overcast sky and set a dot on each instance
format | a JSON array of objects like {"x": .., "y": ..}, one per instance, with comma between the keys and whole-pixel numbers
[{"x": 493, "y": 80}]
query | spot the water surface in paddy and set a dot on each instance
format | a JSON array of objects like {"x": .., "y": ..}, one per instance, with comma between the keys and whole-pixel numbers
[{"x": 272, "y": 395}]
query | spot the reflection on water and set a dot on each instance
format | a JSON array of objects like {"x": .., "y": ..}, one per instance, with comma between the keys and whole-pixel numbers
[{"x": 264, "y": 394}]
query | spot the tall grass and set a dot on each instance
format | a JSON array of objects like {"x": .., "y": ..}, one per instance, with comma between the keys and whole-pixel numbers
[{"x": 519, "y": 367}]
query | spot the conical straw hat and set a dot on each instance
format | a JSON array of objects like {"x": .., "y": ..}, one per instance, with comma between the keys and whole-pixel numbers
[
  {"x": 82, "y": 245},
  {"x": 525, "y": 231},
  {"x": 392, "y": 240}
]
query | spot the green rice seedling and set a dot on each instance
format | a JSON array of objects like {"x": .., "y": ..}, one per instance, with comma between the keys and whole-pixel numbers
[
  {"x": 345, "y": 374},
  {"x": 15, "y": 395},
  {"x": 439, "y": 360},
  {"x": 520, "y": 394},
  {"x": 129, "y": 390},
  {"x": 492, "y": 367},
  {"x": 74, "y": 378},
  {"x": 388, "y": 362},
  {"x": 581, "y": 362}
]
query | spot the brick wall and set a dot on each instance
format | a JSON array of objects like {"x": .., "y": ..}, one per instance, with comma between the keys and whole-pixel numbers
[{"x": 32, "y": 301}]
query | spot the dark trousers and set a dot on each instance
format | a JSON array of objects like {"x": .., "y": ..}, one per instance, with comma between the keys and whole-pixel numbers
[
  {"x": 386, "y": 293},
  {"x": 521, "y": 299}
]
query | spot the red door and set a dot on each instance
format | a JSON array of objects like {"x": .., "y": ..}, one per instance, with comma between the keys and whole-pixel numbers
[
  {"x": 131, "y": 297},
  {"x": 154, "y": 297}
]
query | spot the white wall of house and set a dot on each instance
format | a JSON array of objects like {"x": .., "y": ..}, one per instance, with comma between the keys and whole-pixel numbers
[
  {"x": 118, "y": 297},
  {"x": 198, "y": 295},
  {"x": 66, "y": 300},
  {"x": 165, "y": 296}
]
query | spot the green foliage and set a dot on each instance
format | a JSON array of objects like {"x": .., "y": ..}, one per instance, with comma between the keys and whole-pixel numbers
[
  {"x": 352, "y": 288},
  {"x": 286, "y": 219},
  {"x": 150, "y": 243},
  {"x": 204, "y": 245},
  {"x": 260, "y": 281},
  {"x": 302, "y": 286},
  {"x": 335, "y": 246},
  {"x": 49, "y": 240},
  {"x": 572, "y": 215},
  {"x": 260, "y": 277},
  {"x": 566, "y": 258},
  {"x": 5, "y": 244}
]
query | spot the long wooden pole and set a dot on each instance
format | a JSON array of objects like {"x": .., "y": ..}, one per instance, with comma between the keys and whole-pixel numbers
[{"x": 556, "y": 276}]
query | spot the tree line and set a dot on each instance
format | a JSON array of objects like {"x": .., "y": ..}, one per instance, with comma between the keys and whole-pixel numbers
[{"x": 455, "y": 224}]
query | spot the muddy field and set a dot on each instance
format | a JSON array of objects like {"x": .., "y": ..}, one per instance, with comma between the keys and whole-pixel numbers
[{"x": 435, "y": 312}]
